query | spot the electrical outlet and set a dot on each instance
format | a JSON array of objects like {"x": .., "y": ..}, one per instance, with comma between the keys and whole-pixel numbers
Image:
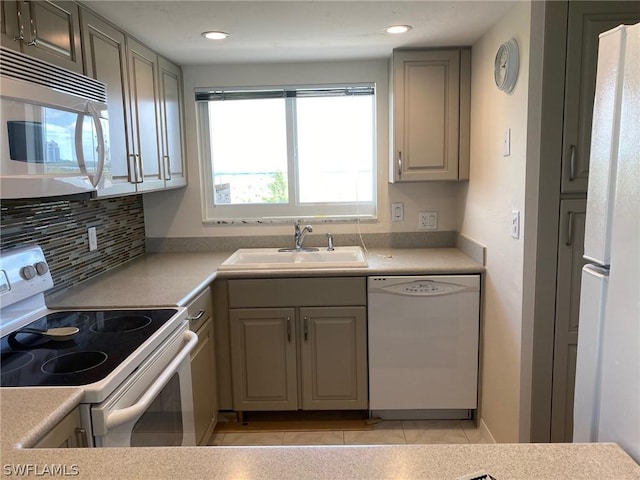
[
  {"x": 428, "y": 221},
  {"x": 515, "y": 224},
  {"x": 93, "y": 239},
  {"x": 397, "y": 212}
]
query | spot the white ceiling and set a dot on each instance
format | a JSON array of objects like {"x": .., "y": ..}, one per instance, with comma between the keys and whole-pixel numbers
[{"x": 286, "y": 31}]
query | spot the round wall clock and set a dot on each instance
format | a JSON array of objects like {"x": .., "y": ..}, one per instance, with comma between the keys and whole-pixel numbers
[{"x": 505, "y": 69}]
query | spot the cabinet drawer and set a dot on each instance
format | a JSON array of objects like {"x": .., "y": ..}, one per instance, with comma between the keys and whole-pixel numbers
[
  {"x": 295, "y": 292},
  {"x": 200, "y": 309}
]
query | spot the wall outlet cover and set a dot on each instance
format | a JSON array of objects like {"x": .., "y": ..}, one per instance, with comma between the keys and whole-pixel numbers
[
  {"x": 428, "y": 221},
  {"x": 93, "y": 239}
]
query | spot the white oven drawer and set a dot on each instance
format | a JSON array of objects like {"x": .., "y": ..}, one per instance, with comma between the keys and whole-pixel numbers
[{"x": 154, "y": 406}]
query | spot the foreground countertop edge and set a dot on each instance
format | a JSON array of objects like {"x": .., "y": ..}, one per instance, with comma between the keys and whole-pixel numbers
[
  {"x": 170, "y": 279},
  {"x": 34, "y": 411}
]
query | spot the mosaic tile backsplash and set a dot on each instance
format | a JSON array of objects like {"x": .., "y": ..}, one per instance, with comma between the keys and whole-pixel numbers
[{"x": 60, "y": 228}]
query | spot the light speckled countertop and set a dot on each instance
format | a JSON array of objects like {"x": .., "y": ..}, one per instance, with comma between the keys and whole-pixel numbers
[
  {"x": 165, "y": 279},
  {"x": 26, "y": 413}
]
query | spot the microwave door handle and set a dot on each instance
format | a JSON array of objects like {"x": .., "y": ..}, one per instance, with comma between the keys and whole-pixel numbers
[
  {"x": 93, "y": 111},
  {"x": 79, "y": 149},
  {"x": 118, "y": 417}
]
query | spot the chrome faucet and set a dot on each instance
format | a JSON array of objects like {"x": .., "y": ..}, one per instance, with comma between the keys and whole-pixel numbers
[
  {"x": 300, "y": 234},
  {"x": 330, "y": 247}
]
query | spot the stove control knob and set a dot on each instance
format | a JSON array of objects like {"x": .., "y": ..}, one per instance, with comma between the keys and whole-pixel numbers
[
  {"x": 41, "y": 268},
  {"x": 28, "y": 272}
]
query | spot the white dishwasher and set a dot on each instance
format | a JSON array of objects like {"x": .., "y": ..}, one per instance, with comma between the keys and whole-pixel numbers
[{"x": 423, "y": 344}]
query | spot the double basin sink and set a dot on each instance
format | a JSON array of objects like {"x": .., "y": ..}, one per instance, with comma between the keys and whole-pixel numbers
[{"x": 276, "y": 259}]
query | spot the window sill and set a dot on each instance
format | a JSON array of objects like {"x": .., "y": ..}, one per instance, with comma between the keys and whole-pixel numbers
[{"x": 288, "y": 220}]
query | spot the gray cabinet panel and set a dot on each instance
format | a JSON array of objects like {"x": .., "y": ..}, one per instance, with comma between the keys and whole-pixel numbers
[
  {"x": 294, "y": 292},
  {"x": 106, "y": 60},
  {"x": 430, "y": 111},
  {"x": 333, "y": 358},
  {"x": 48, "y": 30},
  {"x": 171, "y": 123},
  {"x": 145, "y": 117},
  {"x": 587, "y": 20},
  {"x": 263, "y": 359},
  {"x": 570, "y": 263}
]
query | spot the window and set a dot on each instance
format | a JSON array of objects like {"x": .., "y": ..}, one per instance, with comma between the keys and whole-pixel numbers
[{"x": 293, "y": 152}]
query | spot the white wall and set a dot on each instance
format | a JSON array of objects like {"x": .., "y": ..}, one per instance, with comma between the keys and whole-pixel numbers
[
  {"x": 496, "y": 187},
  {"x": 178, "y": 213}
]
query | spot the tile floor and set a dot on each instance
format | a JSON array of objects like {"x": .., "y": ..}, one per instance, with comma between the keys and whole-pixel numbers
[{"x": 384, "y": 433}]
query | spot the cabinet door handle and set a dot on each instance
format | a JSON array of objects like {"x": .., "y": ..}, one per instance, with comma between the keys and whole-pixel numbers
[
  {"x": 572, "y": 163},
  {"x": 306, "y": 328},
  {"x": 20, "y": 36},
  {"x": 289, "y": 329},
  {"x": 140, "y": 168},
  {"x": 32, "y": 27},
  {"x": 81, "y": 437},
  {"x": 133, "y": 168},
  {"x": 167, "y": 163},
  {"x": 399, "y": 164},
  {"x": 197, "y": 317},
  {"x": 570, "y": 221}
]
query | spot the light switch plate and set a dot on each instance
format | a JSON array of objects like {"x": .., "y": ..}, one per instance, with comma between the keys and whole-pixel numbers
[
  {"x": 515, "y": 224},
  {"x": 397, "y": 211},
  {"x": 506, "y": 143}
]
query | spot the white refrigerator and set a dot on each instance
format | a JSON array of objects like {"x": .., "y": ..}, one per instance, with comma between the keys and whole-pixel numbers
[{"x": 607, "y": 390}]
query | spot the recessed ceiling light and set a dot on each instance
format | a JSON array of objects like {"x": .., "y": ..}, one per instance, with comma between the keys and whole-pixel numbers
[
  {"x": 215, "y": 35},
  {"x": 397, "y": 29}
]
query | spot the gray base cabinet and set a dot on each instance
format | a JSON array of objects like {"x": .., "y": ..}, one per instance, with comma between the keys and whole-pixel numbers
[
  {"x": 263, "y": 359},
  {"x": 304, "y": 354},
  {"x": 68, "y": 433},
  {"x": 203, "y": 367},
  {"x": 333, "y": 358}
]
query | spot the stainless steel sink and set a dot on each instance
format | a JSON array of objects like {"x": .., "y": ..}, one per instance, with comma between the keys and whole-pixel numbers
[{"x": 273, "y": 259}]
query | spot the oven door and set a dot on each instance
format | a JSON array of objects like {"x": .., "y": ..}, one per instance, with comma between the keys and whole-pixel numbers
[{"x": 154, "y": 406}]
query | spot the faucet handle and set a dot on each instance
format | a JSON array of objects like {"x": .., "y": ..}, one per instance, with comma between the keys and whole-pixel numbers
[{"x": 330, "y": 242}]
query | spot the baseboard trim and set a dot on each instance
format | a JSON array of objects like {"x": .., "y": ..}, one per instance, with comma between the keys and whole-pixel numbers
[{"x": 485, "y": 431}]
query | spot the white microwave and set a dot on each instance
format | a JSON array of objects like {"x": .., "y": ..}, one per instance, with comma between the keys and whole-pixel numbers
[{"x": 54, "y": 130}]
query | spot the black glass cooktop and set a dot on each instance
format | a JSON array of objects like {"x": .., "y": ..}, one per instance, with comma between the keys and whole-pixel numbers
[{"x": 104, "y": 340}]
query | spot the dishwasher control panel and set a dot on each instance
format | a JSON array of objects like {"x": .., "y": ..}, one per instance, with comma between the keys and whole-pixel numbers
[{"x": 422, "y": 286}]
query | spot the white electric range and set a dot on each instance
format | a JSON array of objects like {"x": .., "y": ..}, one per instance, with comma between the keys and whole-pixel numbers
[{"x": 133, "y": 364}]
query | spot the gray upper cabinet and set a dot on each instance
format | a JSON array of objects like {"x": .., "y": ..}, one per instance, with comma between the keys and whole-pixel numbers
[
  {"x": 586, "y": 21},
  {"x": 105, "y": 59},
  {"x": 144, "y": 137},
  {"x": 48, "y": 30},
  {"x": 144, "y": 94},
  {"x": 430, "y": 115},
  {"x": 170, "y": 77}
]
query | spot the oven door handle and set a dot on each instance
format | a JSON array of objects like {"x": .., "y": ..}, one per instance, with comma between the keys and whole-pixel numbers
[{"x": 118, "y": 417}]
